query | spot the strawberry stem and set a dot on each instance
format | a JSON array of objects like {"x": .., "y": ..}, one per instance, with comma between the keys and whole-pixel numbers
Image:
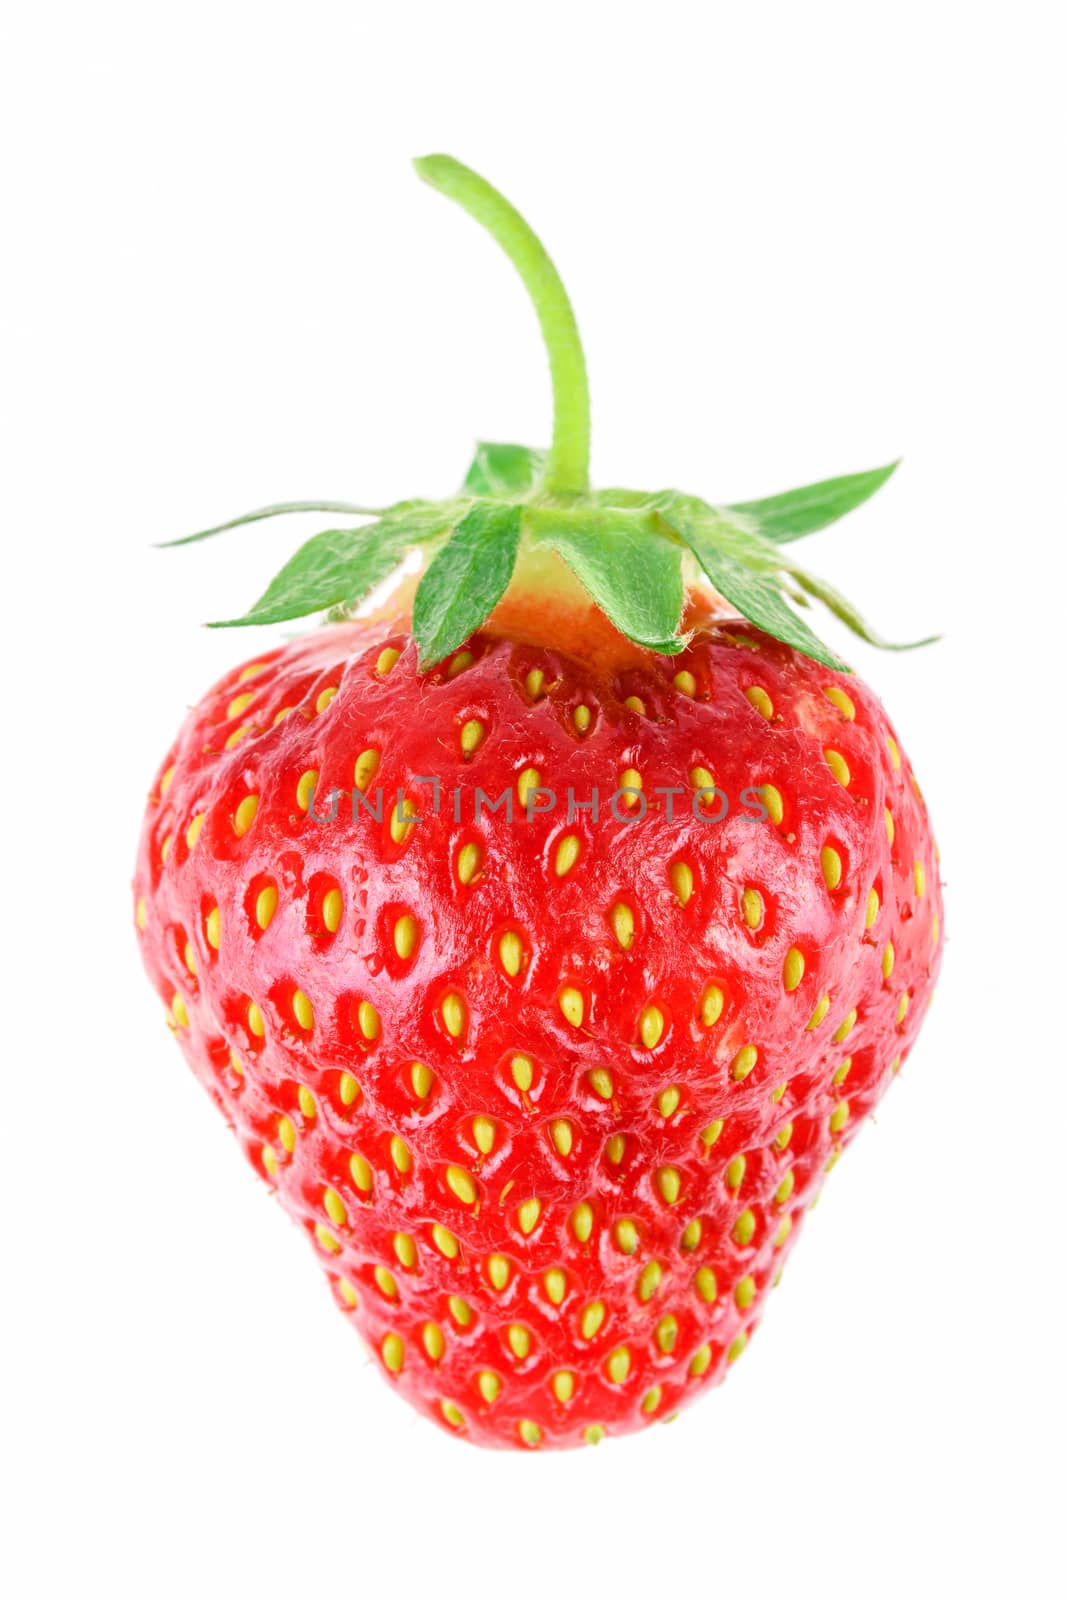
[{"x": 567, "y": 468}]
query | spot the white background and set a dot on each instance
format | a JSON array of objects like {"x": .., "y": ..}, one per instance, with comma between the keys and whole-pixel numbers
[{"x": 802, "y": 239}]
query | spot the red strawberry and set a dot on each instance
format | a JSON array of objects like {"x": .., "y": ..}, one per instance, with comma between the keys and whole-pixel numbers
[{"x": 549, "y": 1091}]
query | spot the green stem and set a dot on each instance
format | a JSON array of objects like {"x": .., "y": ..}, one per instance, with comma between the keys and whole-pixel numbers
[{"x": 567, "y": 470}]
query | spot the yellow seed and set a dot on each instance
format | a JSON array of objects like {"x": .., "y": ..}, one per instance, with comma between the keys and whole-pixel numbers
[
  {"x": 902, "y": 1008},
  {"x": 471, "y": 735},
  {"x": 626, "y": 1235},
  {"x": 633, "y": 702},
  {"x": 743, "y": 1062},
  {"x": 401, "y": 820},
  {"x": 711, "y": 1133},
  {"x": 592, "y": 1319},
  {"x": 237, "y": 705},
  {"x": 839, "y": 1116},
  {"x": 772, "y": 800},
  {"x": 669, "y": 1184},
  {"x": 404, "y": 1250},
  {"x": 362, "y": 1176},
  {"x": 649, "y": 1280},
  {"x": 365, "y": 768},
  {"x": 189, "y": 957},
  {"x": 452, "y": 1414},
  {"x": 237, "y": 1064},
  {"x": 454, "y": 1014},
  {"x": 890, "y": 830},
  {"x": 386, "y": 661},
  {"x": 889, "y": 956},
  {"x": 737, "y": 1346},
  {"x": 783, "y": 1136},
  {"x": 668, "y": 1100},
  {"x": 393, "y": 1351},
  {"x": 735, "y": 1172},
  {"x": 563, "y": 1386},
  {"x": 401, "y": 1155},
  {"x": 630, "y": 778},
  {"x": 405, "y": 936},
  {"x": 819, "y": 1013},
  {"x": 459, "y": 663},
  {"x": 894, "y": 751},
  {"x": 528, "y": 780},
  {"x": 831, "y": 866},
  {"x": 685, "y": 682},
  {"x": 433, "y": 1341},
  {"x": 745, "y": 1293},
  {"x": 370, "y": 1024},
  {"x": 701, "y": 1361},
  {"x": 785, "y": 1228},
  {"x": 347, "y": 1292},
  {"x": 792, "y": 969},
  {"x": 286, "y": 1135},
  {"x": 326, "y": 1238},
  {"x": 334, "y": 1207},
  {"x": 468, "y": 862},
  {"x": 582, "y": 718},
  {"x": 386, "y": 1282},
  {"x": 652, "y": 1399},
  {"x": 778, "y": 1092},
  {"x": 701, "y": 778},
  {"x": 521, "y": 1073},
  {"x": 166, "y": 780},
  {"x": 761, "y": 700},
  {"x": 462, "y": 1185},
  {"x": 846, "y": 1028},
  {"x": 529, "y": 1213},
  {"x": 840, "y": 699},
  {"x": 935, "y": 928},
  {"x": 920, "y": 879},
  {"x": 692, "y": 1234},
  {"x": 141, "y": 916},
  {"x": 651, "y": 1027},
  {"x": 752, "y": 907},
  {"x": 563, "y": 1136},
  {"x": 582, "y": 1221},
  {"x": 510, "y": 948},
  {"x": 179, "y": 1011},
  {"x": 842, "y": 1072},
  {"x": 484, "y": 1131},
  {"x": 711, "y": 1004},
  {"x": 529, "y": 1432},
  {"x": 192, "y": 832},
  {"x": 164, "y": 849},
  {"x": 622, "y": 924},
  {"x": 555, "y": 1281},
  {"x": 618, "y": 1365},
  {"x": 325, "y": 697},
  {"x": 667, "y": 1333},
  {"x": 682, "y": 882},
  {"x": 281, "y": 714},
  {"x": 446, "y": 1242},
  {"x": 873, "y": 906},
  {"x": 305, "y": 789},
  {"x": 535, "y": 682},
  {"x": 614, "y": 1148},
  {"x": 838, "y": 766},
  {"x": 255, "y": 1020},
  {"x": 519, "y": 1340},
  {"x": 744, "y": 1228},
  {"x": 266, "y": 905},
  {"x": 785, "y": 1188},
  {"x": 567, "y": 852},
  {"x": 572, "y": 1005},
  {"x": 302, "y": 1011},
  {"x": 421, "y": 1080},
  {"x": 245, "y": 814}
]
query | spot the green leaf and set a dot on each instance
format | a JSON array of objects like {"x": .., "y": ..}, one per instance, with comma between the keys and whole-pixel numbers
[
  {"x": 465, "y": 579},
  {"x": 784, "y": 517},
  {"x": 283, "y": 509},
  {"x": 758, "y": 598},
  {"x": 631, "y": 571},
  {"x": 338, "y": 567},
  {"x": 846, "y": 612},
  {"x": 504, "y": 470}
]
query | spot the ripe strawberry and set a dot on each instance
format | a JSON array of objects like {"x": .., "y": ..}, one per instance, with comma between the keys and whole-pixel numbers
[{"x": 550, "y": 1091}]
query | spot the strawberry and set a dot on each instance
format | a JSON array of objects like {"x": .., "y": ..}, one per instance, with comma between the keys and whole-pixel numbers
[{"x": 546, "y": 936}]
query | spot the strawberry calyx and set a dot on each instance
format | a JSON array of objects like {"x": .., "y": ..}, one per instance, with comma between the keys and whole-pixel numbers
[{"x": 634, "y": 553}]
